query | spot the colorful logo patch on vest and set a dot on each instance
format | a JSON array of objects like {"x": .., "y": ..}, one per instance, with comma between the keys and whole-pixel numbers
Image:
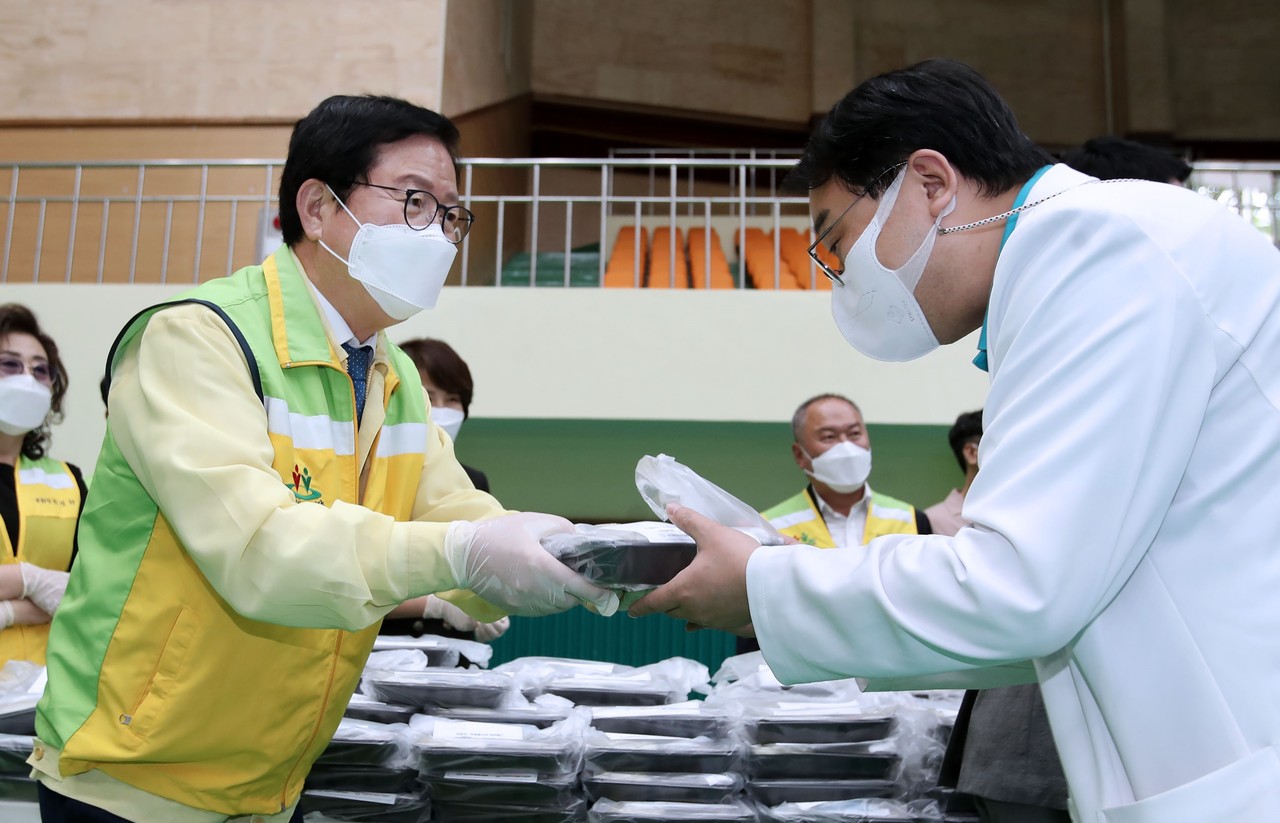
[{"x": 301, "y": 487}]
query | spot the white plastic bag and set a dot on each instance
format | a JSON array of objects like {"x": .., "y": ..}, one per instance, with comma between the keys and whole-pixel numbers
[{"x": 662, "y": 481}]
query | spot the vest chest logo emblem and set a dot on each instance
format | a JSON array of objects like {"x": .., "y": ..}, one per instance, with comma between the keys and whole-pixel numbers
[{"x": 301, "y": 486}]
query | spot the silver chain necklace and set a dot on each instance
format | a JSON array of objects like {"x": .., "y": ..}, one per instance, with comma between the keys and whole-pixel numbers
[{"x": 1011, "y": 212}]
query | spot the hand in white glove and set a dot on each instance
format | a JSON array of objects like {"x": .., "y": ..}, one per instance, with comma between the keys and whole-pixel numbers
[
  {"x": 453, "y": 617},
  {"x": 503, "y": 562},
  {"x": 20, "y": 613},
  {"x": 489, "y": 632},
  {"x": 44, "y": 587}
]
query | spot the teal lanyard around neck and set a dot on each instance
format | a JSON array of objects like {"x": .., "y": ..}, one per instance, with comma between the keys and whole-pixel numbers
[{"x": 980, "y": 359}]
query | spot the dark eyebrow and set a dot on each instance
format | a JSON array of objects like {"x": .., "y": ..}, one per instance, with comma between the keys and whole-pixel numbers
[{"x": 820, "y": 222}]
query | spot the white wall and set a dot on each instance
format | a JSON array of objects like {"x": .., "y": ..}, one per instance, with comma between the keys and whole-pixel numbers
[{"x": 584, "y": 353}]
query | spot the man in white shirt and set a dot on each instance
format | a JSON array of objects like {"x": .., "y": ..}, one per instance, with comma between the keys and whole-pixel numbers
[{"x": 1122, "y": 549}]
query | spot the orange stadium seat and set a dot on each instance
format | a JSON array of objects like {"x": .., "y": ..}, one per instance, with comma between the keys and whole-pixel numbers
[
  {"x": 661, "y": 275},
  {"x": 623, "y": 270},
  {"x": 758, "y": 255},
  {"x": 720, "y": 276},
  {"x": 795, "y": 251}
]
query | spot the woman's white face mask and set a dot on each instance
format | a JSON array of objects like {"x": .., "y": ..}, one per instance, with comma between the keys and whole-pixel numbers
[
  {"x": 24, "y": 404},
  {"x": 448, "y": 419},
  {"x": 876, "y": 309}
]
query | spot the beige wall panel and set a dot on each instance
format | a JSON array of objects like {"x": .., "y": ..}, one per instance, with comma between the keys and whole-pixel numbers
[
  {"x": 833, "y": 57},
  {"x": 1045, "y": 57},
  {"x": 585, "y": 353},
  {"x": 1225, "y": 84},
  {"x": 746, "y": 58},
  {"x": 141, "y": 142},
  {"x": 487, "y": 53},
  {"x": 222, "y": 60}
]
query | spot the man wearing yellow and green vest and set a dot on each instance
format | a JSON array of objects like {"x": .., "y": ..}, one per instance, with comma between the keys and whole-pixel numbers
[
  {"x": 270, "y": 486},
  {"x": 838, "y": 507}
]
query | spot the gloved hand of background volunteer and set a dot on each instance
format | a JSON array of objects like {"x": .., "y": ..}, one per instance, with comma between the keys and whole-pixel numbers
[
  {"x": 43, "y": 587},
  {"x": 502, "y": 561},
  {"x": 489, "y": 632}
]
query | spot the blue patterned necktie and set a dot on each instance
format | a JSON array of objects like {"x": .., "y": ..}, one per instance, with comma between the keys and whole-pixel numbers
[{"x": 358, "y": 358}]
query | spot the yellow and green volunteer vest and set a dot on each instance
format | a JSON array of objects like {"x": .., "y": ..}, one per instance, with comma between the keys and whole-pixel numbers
[
  {"x": 48, "y": 505},
  {"x": 153, "y": 678},
  {"x": 800, "y": 518}
]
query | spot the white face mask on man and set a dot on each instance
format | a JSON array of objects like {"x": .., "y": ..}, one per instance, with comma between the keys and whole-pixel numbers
[
  {"x": 402, "y": 268},
  {"x": 876, "y": 309},
  {"x": 24, "y": 404},
  {"x": 843, "y": 468}
]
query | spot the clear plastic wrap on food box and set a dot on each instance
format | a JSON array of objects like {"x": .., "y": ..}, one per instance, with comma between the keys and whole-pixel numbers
[
  {"x": 662, "y": 481},
  {"x": 668, "y": 681},
  {"x": 817, "y": 723},
  {"x": 842, "y": 811},
  {"x": 365, "y": 743},
  {"x": 673, "y": 788},
  {"x": 14, "y": 751},
  {"x": 613, "y": 811},
  {"x": 541, "y": 713},
  {"x": 371, "y": 807},
  {"x": 439, "y": 687},
  {"x": 444, "y": 745},
  {"x": 652, "y": 753},
  {"x": 404, "y": 653},
  {"x": 21, "y": 685},
  {"x": 826, "y": 761},
  {"x": 625, "y": 556},
  {"x": 774, "y": 792},
  {"x": 439, "y": 650},
  {"x": 574, "y": 812},
  {"x": 532, "y": 674},
  {"x": 364, "y": 707},
  {"x": 511, "y": 787},
  {"x": 692, "y": 718}
]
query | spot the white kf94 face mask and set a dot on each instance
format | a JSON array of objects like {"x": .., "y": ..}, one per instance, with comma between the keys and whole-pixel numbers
[
  {"x": 403, "y": 269},
  {"x": 24, "y": 404},
  {"x": 876, "y": 310},
  {"x": 448, "y": 419},
  {"x": 844, "y": 467}
]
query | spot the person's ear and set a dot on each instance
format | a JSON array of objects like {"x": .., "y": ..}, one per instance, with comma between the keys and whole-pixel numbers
[
  {"x": 940, "y": 179},
  {"x": 798, "y": 454},
  {"x": 313, "y": 196}
]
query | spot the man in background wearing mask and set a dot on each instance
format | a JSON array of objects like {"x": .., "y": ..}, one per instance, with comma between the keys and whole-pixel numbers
[
  {"x": 271, "y": 485},
  {"x": 838, "y": 508},
  {"x": 1121, "y": 552}
]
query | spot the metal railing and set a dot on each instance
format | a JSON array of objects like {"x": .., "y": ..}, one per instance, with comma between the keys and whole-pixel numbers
[{"x": 184, "y": 221}]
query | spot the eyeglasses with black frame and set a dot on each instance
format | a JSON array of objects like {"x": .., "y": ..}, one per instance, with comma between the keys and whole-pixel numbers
[
  {"x": 833, "y": 275},
  {"x": 421, "y": 209}
]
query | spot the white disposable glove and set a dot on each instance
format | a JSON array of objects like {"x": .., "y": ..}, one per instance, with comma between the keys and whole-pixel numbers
[
  {"x": 489, "y": 632},
  {"x": 44, "y": 587},
  {"x": 503, "y": 562},
  {"x": 453, "y": 617},
  {"x": 6, "y": 614}
]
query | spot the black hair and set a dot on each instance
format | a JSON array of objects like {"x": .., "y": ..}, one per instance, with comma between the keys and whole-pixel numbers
[
  {"x": 16, "y": 318},
  {"x": 445, "y": 367},
  {"x": 1112, "y": 158},
  {"x": 967, "y": 429},
  {"x": 338, "y": 143},
  {"x": 797, "y": 419},
  {"x": 942, "y": 105}
]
